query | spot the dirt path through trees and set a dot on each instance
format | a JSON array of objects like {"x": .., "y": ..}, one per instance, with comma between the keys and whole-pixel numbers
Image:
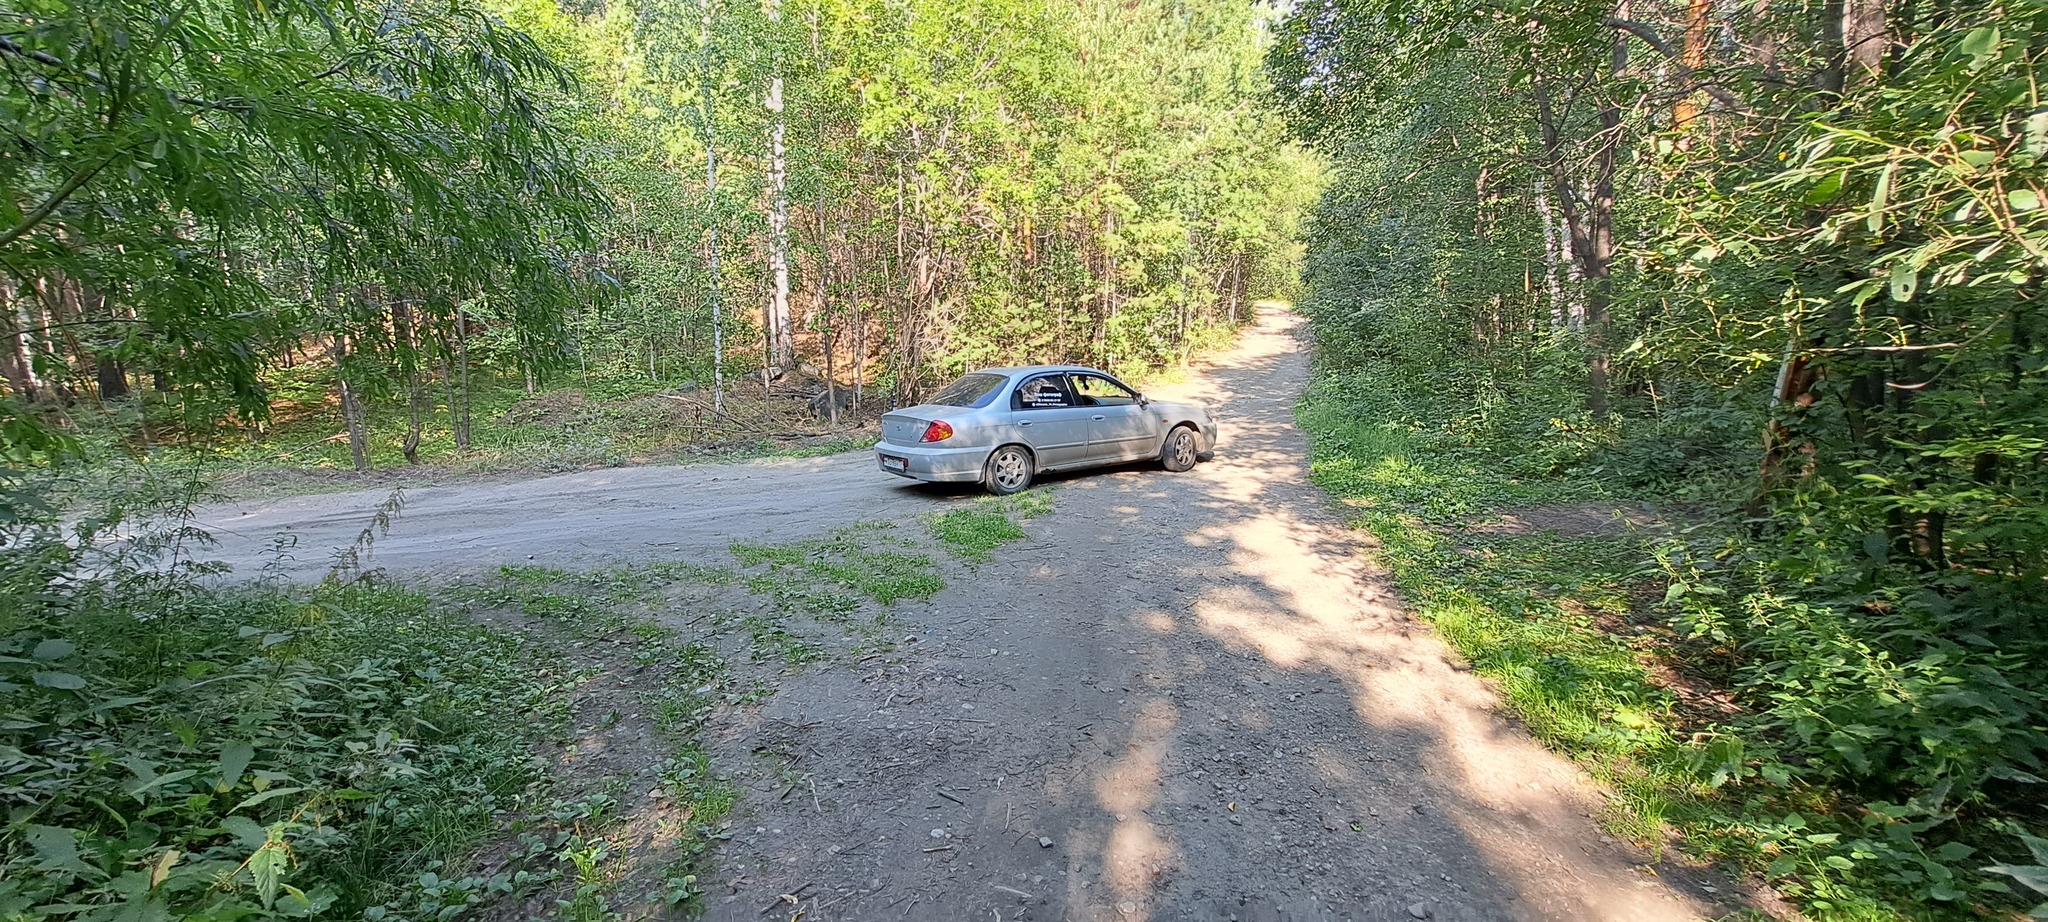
[
  {"x": 1196, "y": 692},
  {"x": 1181, "y": 697}
]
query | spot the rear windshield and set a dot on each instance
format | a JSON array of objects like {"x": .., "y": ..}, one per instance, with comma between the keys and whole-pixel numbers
[{"x": 970, "y": 391}]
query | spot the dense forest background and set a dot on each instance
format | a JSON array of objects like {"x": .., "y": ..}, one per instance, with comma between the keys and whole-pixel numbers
[
  {"x": 1775, "y": 267},
  {"x": 400, "y": 222},
  {"x": 1767, "y": 273}
]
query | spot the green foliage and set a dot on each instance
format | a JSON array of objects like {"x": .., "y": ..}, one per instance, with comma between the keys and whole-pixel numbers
[
  {"x": 1805, "y": 279},
  {"x": 973, "y": 533},
  {"x": 211, "y": 753},
  {"x": 193, "y": 190},
  {"x": 848, "y": 558},
  {"x": 2032, "y": 876}
]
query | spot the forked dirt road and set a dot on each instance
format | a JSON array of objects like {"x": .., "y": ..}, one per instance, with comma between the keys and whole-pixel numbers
[{"x": 1182, "y": 697}]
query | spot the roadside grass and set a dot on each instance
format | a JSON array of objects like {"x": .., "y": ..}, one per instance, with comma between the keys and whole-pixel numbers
[
  {"x": 1575, "y": 633},
  {"x": 258, "y": 750},
  {"x": 1534, "y": 613},
  {"x": 849, "y": 558},
  {"x": 357, "y": 749},
  {"x": 675, "y": 635},
  {"x": 973, "y": 533},
  {"x": 302, "y": 446}
]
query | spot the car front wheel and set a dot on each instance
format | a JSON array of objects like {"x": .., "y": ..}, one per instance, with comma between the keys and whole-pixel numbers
[
  {"x": 1009, "y": 471},
  {"x": 1183, "y": 447}
]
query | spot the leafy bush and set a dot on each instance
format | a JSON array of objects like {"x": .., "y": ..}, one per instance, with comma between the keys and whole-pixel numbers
[
  {"x": 1887, "y": 721},
  {"x": 177, "y": 750}
]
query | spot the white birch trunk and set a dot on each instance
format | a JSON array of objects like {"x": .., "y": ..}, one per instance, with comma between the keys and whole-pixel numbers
[{"x": 781, "y": 328}]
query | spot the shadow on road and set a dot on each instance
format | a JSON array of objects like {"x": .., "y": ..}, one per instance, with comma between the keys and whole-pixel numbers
[{"x": 1195, "y": 688}]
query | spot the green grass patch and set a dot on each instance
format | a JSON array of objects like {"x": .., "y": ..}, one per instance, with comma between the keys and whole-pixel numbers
[
  {"x": 866, "y": 559},
  {"x": 974, "y": 533},
  {"x": 833, "y": 447}
]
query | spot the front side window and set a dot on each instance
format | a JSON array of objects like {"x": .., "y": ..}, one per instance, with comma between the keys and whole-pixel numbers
[
  {"x": 1045, "y": 392},
  {"x": 1098, "y": 391}
]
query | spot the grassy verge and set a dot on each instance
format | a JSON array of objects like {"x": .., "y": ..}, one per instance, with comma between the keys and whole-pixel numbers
[
  {"x": 302, "y": 447},
  {"x": 177, "y": 749},
  {"x": 1608, "y": 649},
  {"x": 256, "y": 751},
  {"x": 972, "y": 534},
  {"x": 1534, "y": 612}
]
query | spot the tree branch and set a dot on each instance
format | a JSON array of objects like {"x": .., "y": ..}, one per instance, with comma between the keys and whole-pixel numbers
[
  {"x": 1651, "y": 37},
  {"x": 1646, "y": 32},
  {"x": 230, "y": 104},
  {"x": 29, "y": 221}
]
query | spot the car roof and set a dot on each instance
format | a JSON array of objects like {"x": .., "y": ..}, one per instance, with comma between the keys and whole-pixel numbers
[{"x": 1020, "y": 370}]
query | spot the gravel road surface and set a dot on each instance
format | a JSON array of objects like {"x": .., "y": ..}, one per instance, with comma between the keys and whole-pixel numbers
[{"x": 1181, "y": 697}]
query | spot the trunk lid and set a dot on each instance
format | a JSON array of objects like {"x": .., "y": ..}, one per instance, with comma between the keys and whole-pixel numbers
[{"x": 905, "y": 427}]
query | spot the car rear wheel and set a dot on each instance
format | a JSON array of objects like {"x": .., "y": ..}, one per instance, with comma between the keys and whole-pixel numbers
[
  {"x": 1183, "y": 447},
  {"x": 1008, "y": 471}
]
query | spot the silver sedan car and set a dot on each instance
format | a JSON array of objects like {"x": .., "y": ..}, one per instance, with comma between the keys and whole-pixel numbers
[{"x": 1004, "y": 426}]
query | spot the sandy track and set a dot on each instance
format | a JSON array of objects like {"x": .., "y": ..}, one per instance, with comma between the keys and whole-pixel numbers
[{"x": 1192, "y": 686}]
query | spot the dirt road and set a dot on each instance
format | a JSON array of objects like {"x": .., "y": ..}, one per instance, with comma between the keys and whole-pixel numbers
[{"x": 1182, "y": 697}]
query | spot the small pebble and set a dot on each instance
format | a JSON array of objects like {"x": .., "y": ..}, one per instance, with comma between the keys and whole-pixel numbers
[{"x": 1044, "y": 842}]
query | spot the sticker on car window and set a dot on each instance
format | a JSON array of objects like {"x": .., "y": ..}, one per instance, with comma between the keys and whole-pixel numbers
[{"x": 1043, "y": 394}]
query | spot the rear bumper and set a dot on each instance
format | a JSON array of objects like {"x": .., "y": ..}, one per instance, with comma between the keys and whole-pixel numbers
[{"x": 937, "y": 465}]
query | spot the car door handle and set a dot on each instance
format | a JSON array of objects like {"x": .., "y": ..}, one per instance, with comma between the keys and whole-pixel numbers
[
  {"x": 1096, "y": 416},
  {"x": 1024, "y": 422}
]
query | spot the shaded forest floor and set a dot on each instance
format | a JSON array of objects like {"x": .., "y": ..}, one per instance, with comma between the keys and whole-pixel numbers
[
  {"x": 1556, "y": 584},
  {"x": 578, "y": 424},
  {"x": 303, "y": 446}
]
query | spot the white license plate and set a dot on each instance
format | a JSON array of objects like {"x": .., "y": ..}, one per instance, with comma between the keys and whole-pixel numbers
[{"x": 895, "y": 464}]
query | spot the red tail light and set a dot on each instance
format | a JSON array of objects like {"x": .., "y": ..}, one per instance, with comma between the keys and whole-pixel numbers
[{"x": 938, "y": 431}]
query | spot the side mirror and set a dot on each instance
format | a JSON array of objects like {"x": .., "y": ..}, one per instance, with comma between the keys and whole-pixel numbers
[{"x": 1144, "y": 401}]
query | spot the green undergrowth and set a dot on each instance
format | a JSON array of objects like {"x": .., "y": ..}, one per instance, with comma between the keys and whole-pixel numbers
[
  {"x": 864, "y": 559},
  {"x": 173, "y": 747},
  {"x": 973, "y": 533},
  {"x": 176, "y": 751},
  {"x": 1764, "y": 728},
  {"x": 300, "y": 449}
]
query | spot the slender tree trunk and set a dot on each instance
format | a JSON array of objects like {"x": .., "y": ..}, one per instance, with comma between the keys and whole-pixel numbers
[
  {"x": 706, "y": 87},
  {"x": 11, "y": 367},
  {"x": 111, "y": 375},
  {"x": 826, "y": 314},
  {"x": 448, "y": 387},
  {"x": 860, "y": 331},
  {"x": 1591, "y": 223},
  {"x": 776, "y": 319},
  {"x": 1698, "y": 22},
  {"x": 1599, "y": 265},
  {"x": 415, "y": 396},
  {"x": 351, "y": 408},
  {"x": 30, "y": 384},
  {"x": 460, "y": 409}
]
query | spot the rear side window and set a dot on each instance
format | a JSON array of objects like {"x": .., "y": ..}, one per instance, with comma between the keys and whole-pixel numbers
[{"x": 970, "y": 391}]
